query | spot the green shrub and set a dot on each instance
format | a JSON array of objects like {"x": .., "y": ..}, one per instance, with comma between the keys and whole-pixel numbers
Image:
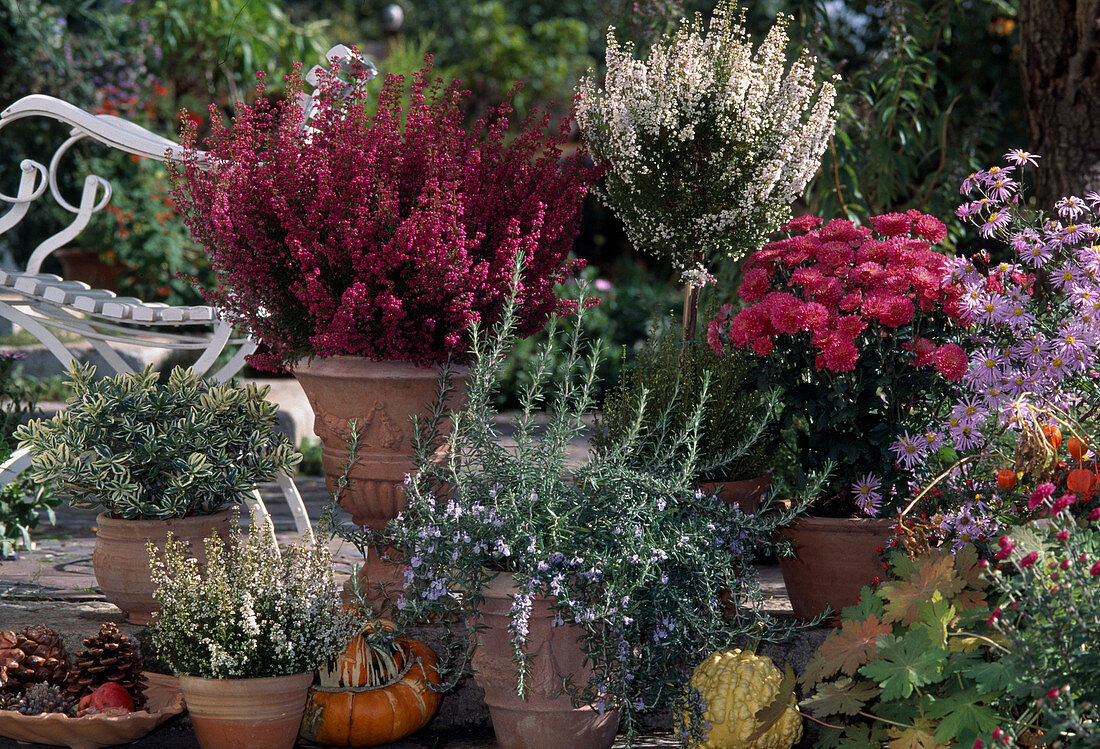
[
  {"x": 21, "y": 502},
  {"x": 142, "y": 449},
  {"x": 670, "y": 381}
]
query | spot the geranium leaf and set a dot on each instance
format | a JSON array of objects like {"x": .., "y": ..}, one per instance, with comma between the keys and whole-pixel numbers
[
  {"x": 918, "y": 736},
  {"x": 989, "y": 676},
  {"x": 845, "y": 650},
  {"x": 767, "y": 716},
  {"x": 869, "y": 603},
  {"x": 902, "y": 664},
  {"x": 904, "y": 597},
  {"x": 842, "y": 696},
  {"x": 964, "y": 716}
]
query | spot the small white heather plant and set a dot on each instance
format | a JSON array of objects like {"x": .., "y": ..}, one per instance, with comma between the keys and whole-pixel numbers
[
  {"x": 255, "y": 610},
  {"x": 707, "y": 142}
]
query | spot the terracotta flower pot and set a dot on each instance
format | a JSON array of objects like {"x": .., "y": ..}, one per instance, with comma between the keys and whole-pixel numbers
[
  {"x": 380, "y": 396},
  {"x": 545, "y": 718},
  {"x": 745, "y": 494},
  {"x": 834, "y": 559},
  {"x": 80, "y": 264},
  {"x": 246, "y": 713},
  {"x": 121, "y": 560}
]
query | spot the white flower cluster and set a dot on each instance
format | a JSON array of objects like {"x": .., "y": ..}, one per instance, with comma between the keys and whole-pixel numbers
[
  {"x": 707, "y": 141},
  {"x": 253, "y": 611}
]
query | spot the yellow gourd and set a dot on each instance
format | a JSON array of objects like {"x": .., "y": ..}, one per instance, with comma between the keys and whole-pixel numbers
[{"x": 734, "y": 685}]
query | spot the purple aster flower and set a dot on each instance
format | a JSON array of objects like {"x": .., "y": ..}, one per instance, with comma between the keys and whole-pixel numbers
[
  {"x": 1070, "y": 207},
  {"x": 1020, "y": 157},
  {"x": 12, "y": 355},
  {"x": 1002, "y": 188},
  {"x": 1066, "y": 275},
  {"x": 908, "y": 450},
  {"x": 968, "y": 411},
  {"x": 868, "y": 498},
  {"x": 969, "y": 184},
  {"x": 966, "y": 437},
  {"x": 986, "y": 365},
  {"x": 993, "y": 222},
  {"x": 1075, "y": 233}
]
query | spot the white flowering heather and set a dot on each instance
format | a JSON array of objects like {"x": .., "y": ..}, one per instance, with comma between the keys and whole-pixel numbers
[
  {"x": 708, "y": 141},
  {"x": 255, "y": 610}
]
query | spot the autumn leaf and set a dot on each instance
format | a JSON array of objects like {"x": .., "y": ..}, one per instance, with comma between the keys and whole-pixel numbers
[
  {"x": 842, "y": 696},
  {"x": 845, "y": 650},
  {"x": 904, "y": 597},
  {"x": 966, "y": 565},
  {"x": 917, "y": 736}
]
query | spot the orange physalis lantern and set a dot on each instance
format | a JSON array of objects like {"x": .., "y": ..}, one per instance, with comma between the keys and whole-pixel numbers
[
  {"x": 1080, "y": 480},
  {"x": 1075, "y": 447},
  {"x": 1053, "y": 435},
  {"x": 1006, "y": 479}
]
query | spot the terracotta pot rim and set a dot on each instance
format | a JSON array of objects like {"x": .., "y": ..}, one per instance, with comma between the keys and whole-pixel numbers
[
  {"x": 823, "y": 522},
  {"x": 258, "y": 681},
  {"x": 321, "y": 365},
  {"x": 104, "y": 518}
]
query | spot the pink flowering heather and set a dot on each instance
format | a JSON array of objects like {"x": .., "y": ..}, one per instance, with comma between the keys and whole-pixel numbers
[
  {"x": 856, "y": 324},
  {"x": 385, "y": 235}
]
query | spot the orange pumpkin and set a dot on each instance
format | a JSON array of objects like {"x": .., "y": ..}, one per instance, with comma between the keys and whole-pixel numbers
[
  {"x": 373, "y": 715},
  {"x": 1076, "y": 448},
  {"x": 1080, "y": 480},
  {"x": 1006, "y": 478},
  {"x": 1053, "y": 435},
  {"x": 365, "y": 664}
]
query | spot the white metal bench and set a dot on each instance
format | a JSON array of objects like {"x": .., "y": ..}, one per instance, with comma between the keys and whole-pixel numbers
[{"x": 39, "y": 302}]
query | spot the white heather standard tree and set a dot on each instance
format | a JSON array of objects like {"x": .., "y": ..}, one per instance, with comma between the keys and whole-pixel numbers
[{"x": 708, "y": 141}]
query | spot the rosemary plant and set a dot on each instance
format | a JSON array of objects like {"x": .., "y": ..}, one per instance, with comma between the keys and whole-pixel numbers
[{"x": 632, "y": 555}]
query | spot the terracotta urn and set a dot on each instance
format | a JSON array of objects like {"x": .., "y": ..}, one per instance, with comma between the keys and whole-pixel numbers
[
  {"x": 121, "y": 560},
  {"x": 381, "y": 397},
  {"x": 745, "y": 494},
  {"x": 246, "y": 713},
  {"x": 545, "y": 717},
  {"x": 834, "y": 559}
]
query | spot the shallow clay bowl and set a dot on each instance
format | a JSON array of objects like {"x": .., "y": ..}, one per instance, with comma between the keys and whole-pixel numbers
[{"x": 163, "y": 698}]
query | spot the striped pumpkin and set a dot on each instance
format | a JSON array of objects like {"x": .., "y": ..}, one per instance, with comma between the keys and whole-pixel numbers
[{"x": 374, "y": 695}]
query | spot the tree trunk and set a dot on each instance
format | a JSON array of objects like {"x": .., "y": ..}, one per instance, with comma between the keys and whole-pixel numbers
[{"x": 1060, "y": 51}]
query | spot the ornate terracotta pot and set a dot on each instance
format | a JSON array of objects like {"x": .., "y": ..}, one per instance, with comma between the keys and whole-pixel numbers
[
  {"x": 244, "y": 713},
  {"x": 545, "y": 717},
  {"x": 380, "y": 396},
  {"x": 121, "y": 561},
  {"x": 834, "y": 559}
]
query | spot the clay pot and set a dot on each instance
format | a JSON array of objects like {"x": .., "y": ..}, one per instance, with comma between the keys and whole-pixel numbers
[
  {"x": 245, "y": 713},
  {"x": 834, "y": 559},
  {"x": 545, "y": 718},
  {"x": 80, "y": 264},
  {"x": 745, "y": 494},
  {"x": 380, "y": 396},
  {"x": 121, "y": 561}
]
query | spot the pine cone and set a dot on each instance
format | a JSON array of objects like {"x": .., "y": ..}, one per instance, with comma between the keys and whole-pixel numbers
[
  {"x": 33, "y": 655},
  {"x": 107, "y": 656},
  {"x": 44, "y": 697}
]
